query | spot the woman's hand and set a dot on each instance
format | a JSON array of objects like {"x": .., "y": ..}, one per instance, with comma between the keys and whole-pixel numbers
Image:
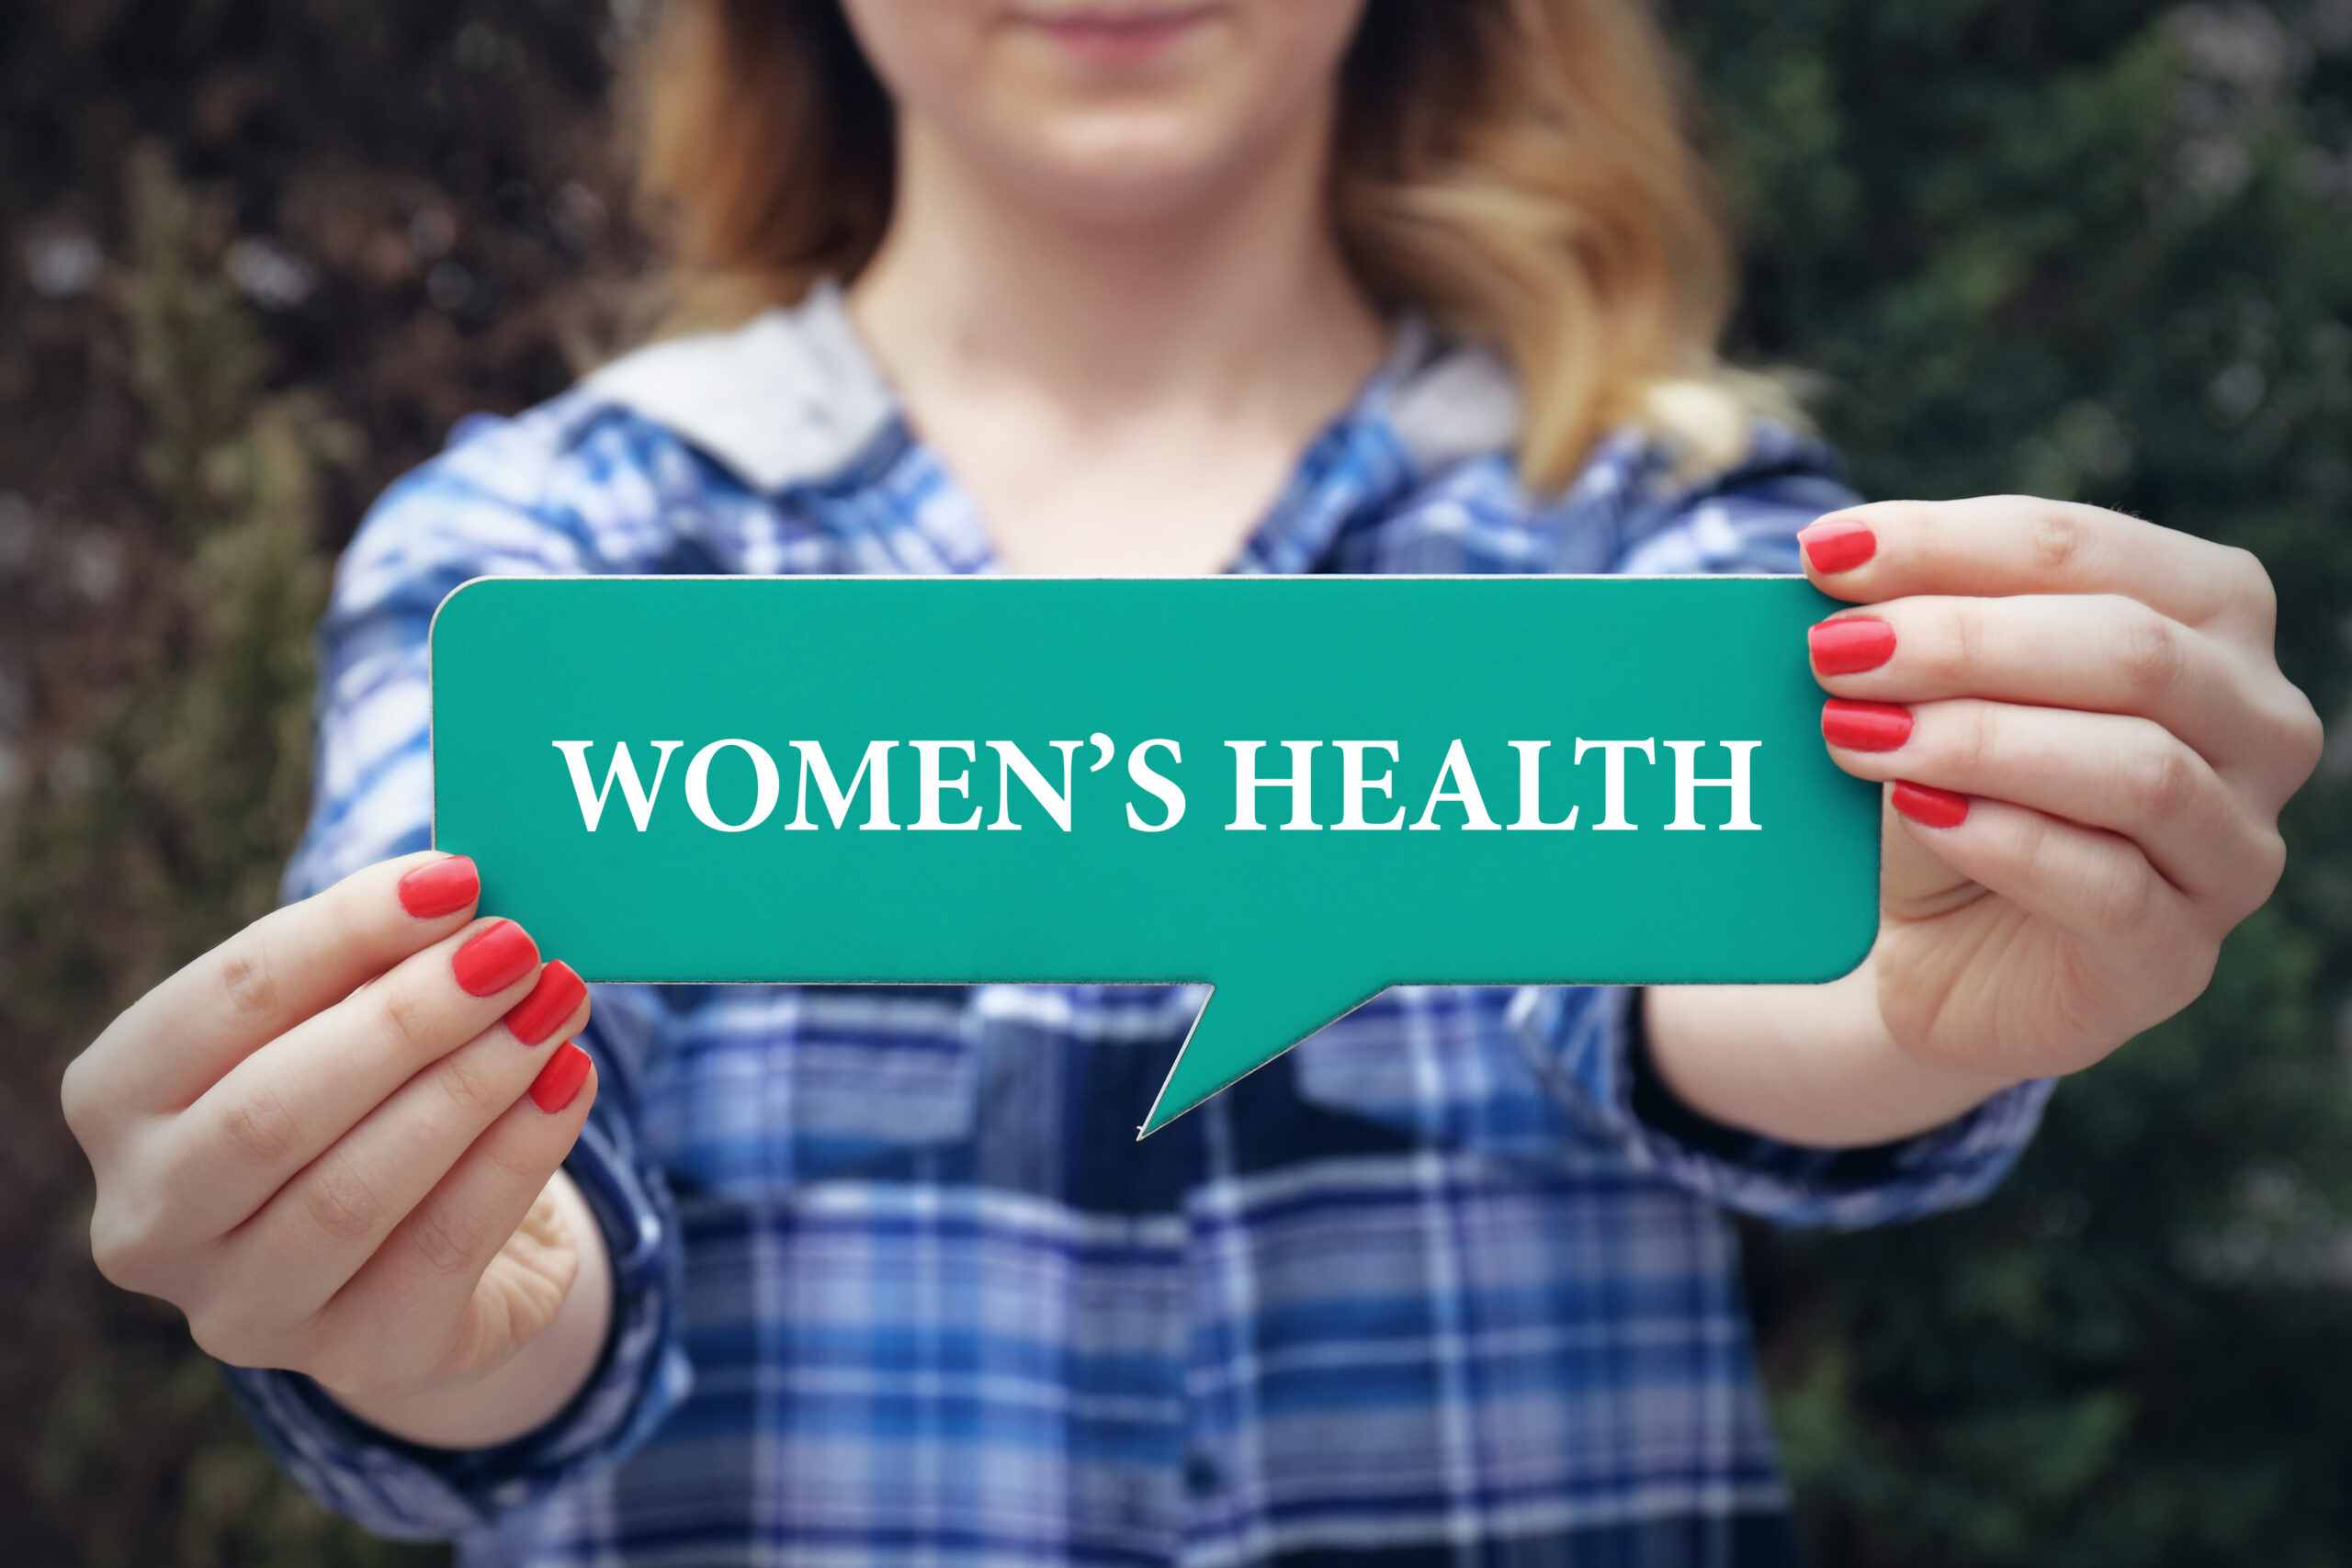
[
  {"x": 2089, "y": 741},
  {"x": 333, "y": 1142}
]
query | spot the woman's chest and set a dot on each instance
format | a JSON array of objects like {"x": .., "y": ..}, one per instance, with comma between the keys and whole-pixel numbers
[{"x": 757, "y": 1094}]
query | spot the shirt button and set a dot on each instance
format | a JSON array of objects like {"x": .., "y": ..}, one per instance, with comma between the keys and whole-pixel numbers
[{"x": 1202, "y": 1477}]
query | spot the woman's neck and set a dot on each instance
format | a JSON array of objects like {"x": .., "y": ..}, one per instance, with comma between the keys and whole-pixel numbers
[{"x": 1117, "y": 390}]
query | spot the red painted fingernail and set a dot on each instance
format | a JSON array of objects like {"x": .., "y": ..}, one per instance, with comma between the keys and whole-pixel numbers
[
  {"x": 1864, "y": 726},
  {"x": 1833, "y": 548},
  {"x": 551, "y": 1001},
  {"x": 559, "y": 1082},
  {"x": 494, "y": 959},
  {"x": 442, "y": 888},
  {"x": 1850, "y": 646},
  {"x": 1928, "y": 806}
]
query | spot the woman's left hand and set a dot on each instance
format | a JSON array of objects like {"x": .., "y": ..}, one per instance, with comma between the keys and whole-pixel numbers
[{"x": 2093, "y": 708}]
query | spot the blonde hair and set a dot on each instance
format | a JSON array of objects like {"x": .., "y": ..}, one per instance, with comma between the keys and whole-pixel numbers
[{"x": 1514, "y": 170}]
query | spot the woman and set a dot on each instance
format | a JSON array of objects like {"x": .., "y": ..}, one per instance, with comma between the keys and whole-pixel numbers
[{"x": 782, "y": 1274}]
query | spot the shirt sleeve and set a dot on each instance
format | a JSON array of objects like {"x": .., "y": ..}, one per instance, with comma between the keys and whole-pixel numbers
[
  {"x": 1588, "y": 1042},
  {"x": 500, "y": 504},
  {"x": 1588, "y": 1047}
]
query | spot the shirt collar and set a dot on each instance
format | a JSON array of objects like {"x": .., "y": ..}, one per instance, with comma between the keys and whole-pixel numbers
[
  {"x": 793, "y": 399},
  {"x": 789, "y": 398}
]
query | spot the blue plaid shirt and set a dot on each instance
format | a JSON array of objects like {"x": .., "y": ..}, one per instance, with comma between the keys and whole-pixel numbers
[{"x": 895, "y": 1282}]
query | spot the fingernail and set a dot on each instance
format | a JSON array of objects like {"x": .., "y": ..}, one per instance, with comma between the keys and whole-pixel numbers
[
  {"x": 552, "y": 1001},
  {"x": 494, "y": 959},
  {"x": 1836, "y": 546},
  {"x": 1864, "y": 726},
  {"x": 1850, "y": 646},
  {"x": 1930, "y": 807},
  {"x": 559, "y": 1082},
  {"x": 442, "y": 888}
]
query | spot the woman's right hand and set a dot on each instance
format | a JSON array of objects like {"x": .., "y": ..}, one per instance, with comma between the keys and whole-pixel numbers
[{"x": 334, "y": 1142}]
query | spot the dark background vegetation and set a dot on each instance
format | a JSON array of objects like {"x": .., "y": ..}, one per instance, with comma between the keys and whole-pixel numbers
[{"x": 257, "y": 256}]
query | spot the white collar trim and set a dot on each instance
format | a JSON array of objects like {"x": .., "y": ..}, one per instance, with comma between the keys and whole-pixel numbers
[
  {"x": 792, "y": 396},
  {"x": 788, "y": 397}
]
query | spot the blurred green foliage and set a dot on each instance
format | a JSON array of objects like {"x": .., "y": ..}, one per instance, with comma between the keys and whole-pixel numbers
[
  {"x": 2099, "y": 250},
  {"x": 2085, "y": 248},
  {"x": 258, "y": 254},
  {"x": 165, "y": 811}
]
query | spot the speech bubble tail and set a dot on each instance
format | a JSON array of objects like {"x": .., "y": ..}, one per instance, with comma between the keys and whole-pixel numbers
[{"x": 1243, "y": 1027}]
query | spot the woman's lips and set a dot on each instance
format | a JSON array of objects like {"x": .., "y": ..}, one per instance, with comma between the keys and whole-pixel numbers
[{"x": 1111, "y": 38}]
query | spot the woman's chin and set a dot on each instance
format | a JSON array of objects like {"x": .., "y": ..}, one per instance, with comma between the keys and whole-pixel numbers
[{"x": 1132, "y": 166}]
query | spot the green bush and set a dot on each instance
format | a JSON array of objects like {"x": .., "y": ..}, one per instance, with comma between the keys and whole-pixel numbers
[
  {"x": 2095, "y": 250},
  {"x": 163, "y": 815}
]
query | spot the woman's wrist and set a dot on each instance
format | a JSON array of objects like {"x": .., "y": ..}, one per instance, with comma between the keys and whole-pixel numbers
[
  {"x": 1813, "y": 1066},
  {"x": 529, "y": 1388}
]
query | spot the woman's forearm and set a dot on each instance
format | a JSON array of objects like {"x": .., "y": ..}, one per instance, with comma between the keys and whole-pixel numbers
[
  {"x": 538, "y": 1380},
  {"x": 1808, "y": 1065}
]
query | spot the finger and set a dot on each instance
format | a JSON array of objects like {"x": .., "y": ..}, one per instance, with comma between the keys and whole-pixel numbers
[
  {"x": 2094, "y": 883},
  {"x": 322, "y": 1225},
  {"x": 1997, "y": 546},
  {"x": 177, "y": 1042},
  {"x": 2125, "y": 775},
  {"x": 284, "y": 1106},
  {"x": 2139, "y": 934},
  {"x": 2101, "y": 653},
  {"x": 2131, "y": 947},
  {"x": 428, "y": 1271},
  {"x": 1913, "y": 883}
]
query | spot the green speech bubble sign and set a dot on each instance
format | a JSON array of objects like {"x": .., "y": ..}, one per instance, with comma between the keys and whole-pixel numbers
[{"x": 660, "y": 778}]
